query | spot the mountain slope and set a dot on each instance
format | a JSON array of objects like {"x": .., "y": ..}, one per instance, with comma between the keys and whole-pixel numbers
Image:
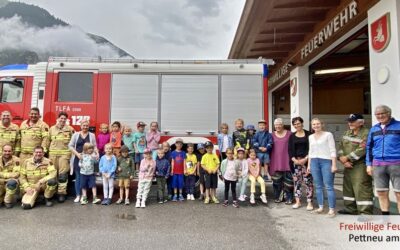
[{"x": 22, "y": 24}]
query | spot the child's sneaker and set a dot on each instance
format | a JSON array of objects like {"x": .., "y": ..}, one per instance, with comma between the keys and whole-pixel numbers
[
  {"x": 96, "y": 200},
  {"x": 84, "y": 201},
  {"x": 109, "y": 202},
  {"x": 77, "y": 199},
  {"x": 119, "y": 201},
  {"x": 192, "y": 197},
  {"x": 241, "y": 198},
  {"x": 160, "y": 201},
  {"x": 252, "y": 200},
  {"x": 264, "y": 199},
  {"x": 137, "y": 203},
  {"x": 174, "y": 198},
  {"x": 143, "y": 204},
  {"x": 206, "y": 200},
  {"x": 181, "y": 198},
  {"x": 127, "y": 202},
  {"x": 215, "y": 200},
  {"x": 188, "y": 197},
  {"x": 235, "y": 204},
  {"x": 225, "y": 204},
  {"x": 104, "y": 202}
]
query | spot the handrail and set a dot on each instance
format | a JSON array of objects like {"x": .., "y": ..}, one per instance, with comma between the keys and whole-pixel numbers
[{"x": 157, "y": 61}]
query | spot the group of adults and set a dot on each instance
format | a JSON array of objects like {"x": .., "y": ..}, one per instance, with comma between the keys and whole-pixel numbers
[
  {"x": 371, "y": 158},
  {"x": 24, "y": 167}
]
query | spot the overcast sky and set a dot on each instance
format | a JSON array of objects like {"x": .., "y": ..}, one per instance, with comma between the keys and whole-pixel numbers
[{"x": 182, "y": 29}]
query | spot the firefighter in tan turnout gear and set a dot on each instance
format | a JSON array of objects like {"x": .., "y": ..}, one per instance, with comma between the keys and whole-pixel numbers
[
  {"x": 37, "y": 174},
  {"x": 357, "y": 184},
  {"x": 9, "y": 174},
  {"x": 34, "y": 132},
  {"x": 59, "y": 153},
  {"x": 9, "y": 132}
]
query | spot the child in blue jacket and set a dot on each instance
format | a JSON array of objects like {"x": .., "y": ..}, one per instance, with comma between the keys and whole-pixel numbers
[
  {"x": 163, "y": 168},
  {"x": 262, "y": 143}
]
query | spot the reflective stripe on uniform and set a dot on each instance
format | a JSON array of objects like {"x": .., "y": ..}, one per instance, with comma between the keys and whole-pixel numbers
[
  {"x": 60, "y": 151},
  {"x": 29, "y": 132},
  {"x": 349, "y": 198},
  {"x": 352, "y": 139},
  {"x": 59, "y": 138},
  {"x": 364, "y": 203},
  {"x": 354, "y": 156}
]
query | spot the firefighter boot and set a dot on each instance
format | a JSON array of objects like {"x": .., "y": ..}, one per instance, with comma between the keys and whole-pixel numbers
[
  {"x": 62, "y": 186},
  {"x": 11, "y": 188},
  {"x": 49, "y": 203}
]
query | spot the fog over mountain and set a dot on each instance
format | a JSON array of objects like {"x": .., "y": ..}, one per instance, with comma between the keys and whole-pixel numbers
[{"x": 29, "y": 34}]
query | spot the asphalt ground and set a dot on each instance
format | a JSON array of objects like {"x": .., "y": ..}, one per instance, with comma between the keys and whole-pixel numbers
[{"x": 174, "y": 225}]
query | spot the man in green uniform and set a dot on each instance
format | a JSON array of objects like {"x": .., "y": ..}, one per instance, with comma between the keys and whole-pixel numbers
[{"x": 357, "y": 184}]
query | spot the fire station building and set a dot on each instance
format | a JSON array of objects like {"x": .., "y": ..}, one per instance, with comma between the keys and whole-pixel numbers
[{"x": 332, "y": 58}]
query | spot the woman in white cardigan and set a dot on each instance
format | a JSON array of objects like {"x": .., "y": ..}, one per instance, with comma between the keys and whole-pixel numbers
[
  {"x": 322, "y": 165},
  {"x": 78, "y": 139}
]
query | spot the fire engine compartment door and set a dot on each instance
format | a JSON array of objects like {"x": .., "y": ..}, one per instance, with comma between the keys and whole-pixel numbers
[
  {"x": 76, "y": 94},
  {"x": 189, "y": 103},
  {"x": 134, "y": 98},
  {"x": 241, "y": 96}
]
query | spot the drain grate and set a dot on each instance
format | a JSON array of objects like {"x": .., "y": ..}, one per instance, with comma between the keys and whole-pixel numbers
[{"x": 126, "y": 216}]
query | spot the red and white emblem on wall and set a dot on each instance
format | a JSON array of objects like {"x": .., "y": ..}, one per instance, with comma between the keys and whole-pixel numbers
[
  {"x": 293, "y": 86},
  {"x": 380, "y": 33}
]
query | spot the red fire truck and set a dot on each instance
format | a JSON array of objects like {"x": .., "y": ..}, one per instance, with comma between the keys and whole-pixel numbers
[{"x": 189, "y": 99}]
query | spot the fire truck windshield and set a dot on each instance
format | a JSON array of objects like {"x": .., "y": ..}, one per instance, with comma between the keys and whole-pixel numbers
[{"x": 11, "y": 90}]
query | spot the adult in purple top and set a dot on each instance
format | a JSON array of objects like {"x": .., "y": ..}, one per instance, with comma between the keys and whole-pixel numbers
[{"x": 280, "y": 171}]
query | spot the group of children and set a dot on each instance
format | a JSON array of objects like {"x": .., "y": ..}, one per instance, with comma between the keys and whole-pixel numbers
[
  {"x": 121, "y": 155},
  {"x": 124, "y": 154},
  {"x": 246, "y": 152}
]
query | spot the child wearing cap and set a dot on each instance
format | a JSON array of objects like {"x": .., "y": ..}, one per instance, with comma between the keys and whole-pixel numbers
[
  {"x": 191, "y": 169},
  {"x": 116, "y": 137},
  {"x": 124, "y": 174},
  {"x": 139, "y": 143},
  {"x": 224, "y": 140},
  {"x": 178, "y": 168},
  {"x": 200, "y": 171},
  {"x": 251, "y": 130},
  {"x": 167, "y": 151},
  {"x": 146, "y": 173},
  {"x": 230, "y": 170},
  {"x": 239, "y": 136},
  {"x": 210, "y": 163},
  {"x": 262, "y": 144},
  {"x": 244, "y": 173},
  {"x": 153, "y": 138},
  {"x": 163, "y": 168}
]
